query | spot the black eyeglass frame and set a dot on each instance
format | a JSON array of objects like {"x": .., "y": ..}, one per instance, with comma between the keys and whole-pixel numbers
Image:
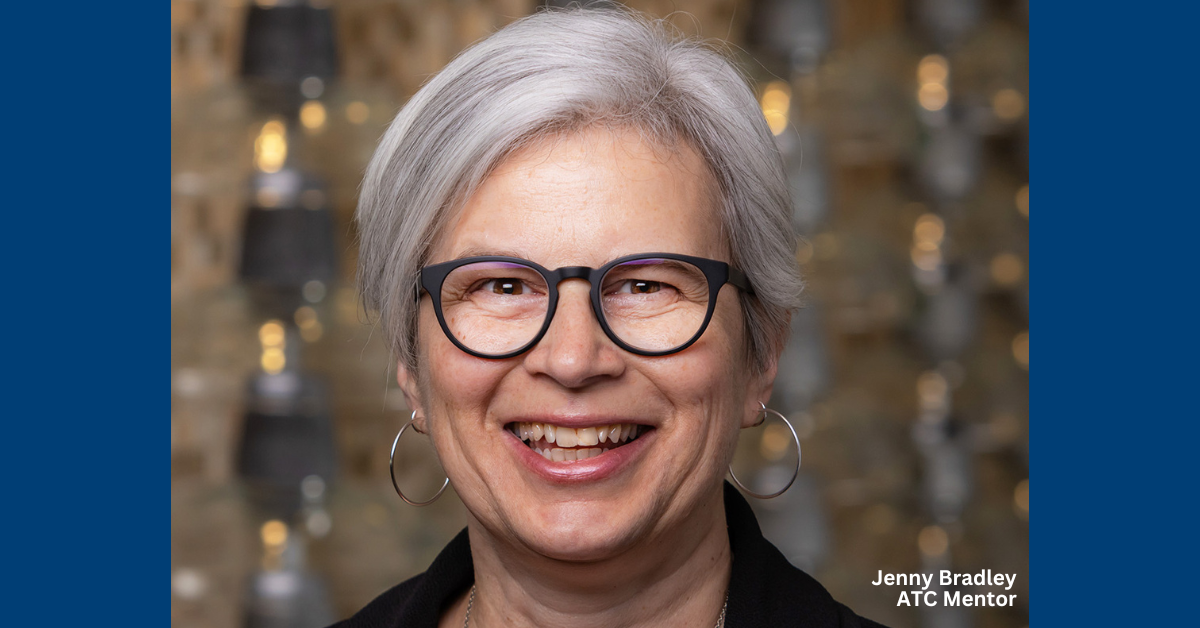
[{"x": 717, "y": 273}]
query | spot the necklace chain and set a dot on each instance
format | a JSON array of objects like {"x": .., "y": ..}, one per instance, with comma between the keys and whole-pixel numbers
[{"x": 471, "y": 603}]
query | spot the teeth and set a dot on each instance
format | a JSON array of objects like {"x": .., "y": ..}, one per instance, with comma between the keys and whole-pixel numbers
[
  {"x": 557, "y": 455},
  {"x": 566, "y": 437},
  {"x": 584, "y": 454},
  {"x": 545, "y": 453}
]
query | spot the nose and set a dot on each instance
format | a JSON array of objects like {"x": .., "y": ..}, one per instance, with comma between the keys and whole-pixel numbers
[{"x": 575, "y": 352}]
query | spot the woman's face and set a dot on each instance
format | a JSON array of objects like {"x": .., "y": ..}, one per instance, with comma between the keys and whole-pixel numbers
[{"x": 583, "y": 200}]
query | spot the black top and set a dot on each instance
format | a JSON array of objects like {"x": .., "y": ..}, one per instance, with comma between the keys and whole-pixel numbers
[{"x": 764, "y": 588}]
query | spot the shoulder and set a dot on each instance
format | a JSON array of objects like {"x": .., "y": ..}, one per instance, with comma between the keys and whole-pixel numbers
[
  {"x": 386, "y": 611},
  {"x": 418, "y": 601},
  {"x": 767, "y": 590}
]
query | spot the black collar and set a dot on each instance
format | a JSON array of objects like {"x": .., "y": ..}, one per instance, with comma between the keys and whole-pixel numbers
[{"x": 764, "y": 589}]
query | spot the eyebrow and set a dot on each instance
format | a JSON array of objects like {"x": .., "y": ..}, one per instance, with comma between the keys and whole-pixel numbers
[{"x": 476, "y": 251}]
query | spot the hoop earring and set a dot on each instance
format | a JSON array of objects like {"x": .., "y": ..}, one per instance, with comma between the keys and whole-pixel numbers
[
  {"x": 392, "y": 469},
  {"x": 765, "y": 410}
]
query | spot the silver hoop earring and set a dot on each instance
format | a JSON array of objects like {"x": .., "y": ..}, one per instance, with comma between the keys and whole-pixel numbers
[
  {"x": 392, "y": 470},
  {"x": 765, "y": 410}
]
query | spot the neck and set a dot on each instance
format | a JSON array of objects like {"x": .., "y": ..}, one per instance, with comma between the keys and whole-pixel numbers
[{"x": 676, "y": 578}]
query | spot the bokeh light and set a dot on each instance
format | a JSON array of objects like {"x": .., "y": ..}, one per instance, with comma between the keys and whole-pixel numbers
[
  {"x": 1022, "y": 200},
  {"x": 933, "y": 96},
  {"x": 933, "y": 69},
  {"x": 1020, "y": 349},
  {"x": 933, "y": 541},
  {"x": 270, "y": 147},
  {"x": 357, "y": 112},
  {"x": 1008, "y": 104},
  {"x": 776, "y": 103},
  {"x": 1021, "y": 499},
  {"x": 1006, "y": 269},
  {"x": 312, "y": 115}
]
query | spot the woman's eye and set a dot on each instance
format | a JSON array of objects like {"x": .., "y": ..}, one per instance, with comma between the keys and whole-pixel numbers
[
  {"x": 638, "y": 286},
  {"x": 505, "y": 286}
]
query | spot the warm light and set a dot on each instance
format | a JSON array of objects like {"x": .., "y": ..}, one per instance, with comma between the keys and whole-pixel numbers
[
  {"x": 933, "y": 69},
  {"x": 775, "y": 441},
  {"x": 932, "y": 387},
  {"x": 1021, "y": 498},
  {"x": 933, "y": 96},
  {"x": 1008, "y": 104},
  {"x": 933, "y": 541},
  {"x": 776, "y": 103},
  {"x": 926, "y": 260},
  {"x": 273, "y": 360},
  {"x": 270, "y": 147},
  {"x": 357, "y": 112},
  {"x": 929, "y": 228},
  {"x": 804, "y": 252},
  {"x": 1007, "y": 269},
  {"x": 305, "y": 316},
  {"x": 313, "y": 332},
  {"x": 1020, "y": 349},
  {"x": 267, "y": 197},
  {"x": 312, "y": 115},
  {"x": 274, "y": 533},
  {"x": 1023, "y": 200},
  {"x": 271, "y": 334}
]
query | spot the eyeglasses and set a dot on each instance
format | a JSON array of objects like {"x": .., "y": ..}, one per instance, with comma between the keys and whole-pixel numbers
[{"x": 649, "y": 304}]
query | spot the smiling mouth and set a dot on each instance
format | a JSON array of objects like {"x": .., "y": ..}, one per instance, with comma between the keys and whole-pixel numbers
[{"x": 566, "y": 444}]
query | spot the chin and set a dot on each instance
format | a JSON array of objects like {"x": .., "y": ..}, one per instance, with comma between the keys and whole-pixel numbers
[{"x": 579, "y": 532}]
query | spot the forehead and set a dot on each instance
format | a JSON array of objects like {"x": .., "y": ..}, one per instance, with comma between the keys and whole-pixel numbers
[{"x": 586, "y": 198}]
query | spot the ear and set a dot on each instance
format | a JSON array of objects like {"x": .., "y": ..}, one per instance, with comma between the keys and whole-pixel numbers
[
  {"x": 759, "y": 390},
  {"x": 762, "y": 384},
  {"x": 412, "y": 395}
]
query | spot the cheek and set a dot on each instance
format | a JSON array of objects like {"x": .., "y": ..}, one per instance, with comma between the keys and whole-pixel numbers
[
  {"x": 726, "y": 334},
  {"x": 452, "y": 380},
  {"x": 713, "y": 373}
]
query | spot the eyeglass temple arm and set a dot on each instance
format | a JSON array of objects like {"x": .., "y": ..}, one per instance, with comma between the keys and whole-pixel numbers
[{"x": 739, "y": 279}]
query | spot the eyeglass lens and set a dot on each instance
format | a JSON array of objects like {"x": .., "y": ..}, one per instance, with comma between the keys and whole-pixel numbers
[{"x": 495, "y": 308}]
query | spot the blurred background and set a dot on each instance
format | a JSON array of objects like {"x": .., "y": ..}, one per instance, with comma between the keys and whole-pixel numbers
[{"x": 905, "y": 128}]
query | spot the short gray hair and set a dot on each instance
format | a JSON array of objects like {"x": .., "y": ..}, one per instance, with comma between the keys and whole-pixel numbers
[{"x": 556, "y": 72}]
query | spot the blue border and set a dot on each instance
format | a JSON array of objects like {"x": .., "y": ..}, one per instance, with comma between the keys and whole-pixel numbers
[
  {"x": 1113, "y": 411},
  {"x": 86, "y": 214}
]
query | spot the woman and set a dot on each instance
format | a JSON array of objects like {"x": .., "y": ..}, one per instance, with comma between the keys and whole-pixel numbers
[{"x": 547, "y": 230}]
